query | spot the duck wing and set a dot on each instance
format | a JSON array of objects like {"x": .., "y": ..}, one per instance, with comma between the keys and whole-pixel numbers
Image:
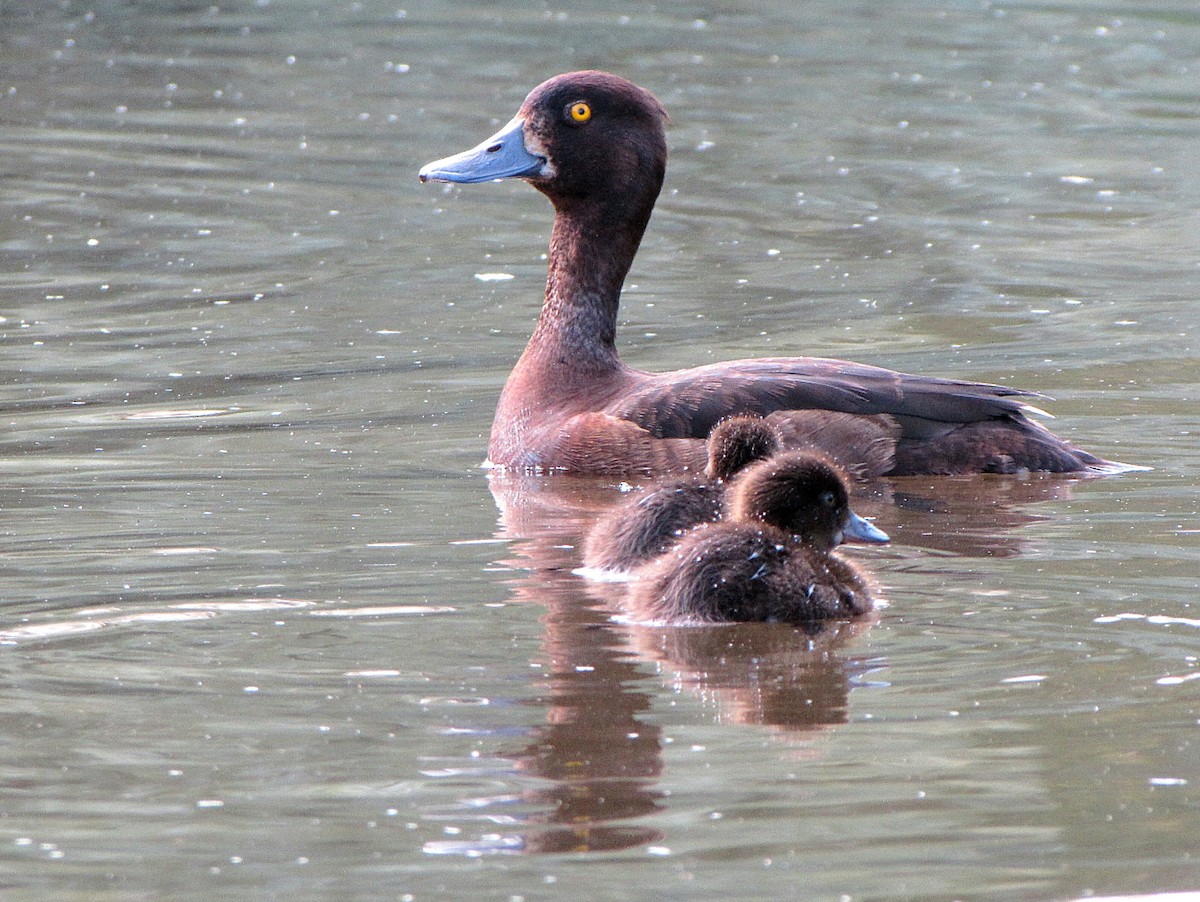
[
  {"x": 688, "y": 403},
  {"x": 945, "y": 426}
]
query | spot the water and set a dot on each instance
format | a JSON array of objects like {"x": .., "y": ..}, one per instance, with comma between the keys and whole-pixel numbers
[{"x": 270, "y": 632}]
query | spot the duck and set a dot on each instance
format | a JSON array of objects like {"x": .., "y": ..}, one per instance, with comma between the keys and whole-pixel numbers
[
  {"x": 647, "y": 525},
  {"x": 594, "y": 143},
  {"x": 770, "y": 559}
]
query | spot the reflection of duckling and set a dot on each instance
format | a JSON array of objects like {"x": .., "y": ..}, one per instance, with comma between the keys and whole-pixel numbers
[
  {"x": 794, "y": 676},
  {"x": 648, "y": 525},
  {"x": 771, "y": 559}
]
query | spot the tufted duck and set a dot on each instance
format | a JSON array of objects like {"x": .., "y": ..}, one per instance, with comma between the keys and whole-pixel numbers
[{"x": 594, "y": 144}]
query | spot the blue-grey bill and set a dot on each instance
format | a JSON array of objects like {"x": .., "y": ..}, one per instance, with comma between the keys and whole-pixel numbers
[
  {"x": 860, "y": 530},
  {"x": 502, "y": 156}
]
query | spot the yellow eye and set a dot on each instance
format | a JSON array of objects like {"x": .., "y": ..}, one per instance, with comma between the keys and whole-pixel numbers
[{"x": 579, "y": 112}]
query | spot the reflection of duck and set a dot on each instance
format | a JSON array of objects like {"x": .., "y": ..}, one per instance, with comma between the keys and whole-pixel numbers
[
  {"x": 594, "y": 144},
  {"x": 771, "y": 559},
  {"x": 649, "y": 524}
]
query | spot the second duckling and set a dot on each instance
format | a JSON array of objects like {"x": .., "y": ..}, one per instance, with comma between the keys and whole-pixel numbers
[{"x": 646, "y": 526}]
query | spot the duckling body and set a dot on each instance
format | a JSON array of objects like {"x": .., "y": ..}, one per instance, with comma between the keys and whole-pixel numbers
[
  {"x": 738, "y": 572},
  {"x": 770, "y": 560},
  {"x": 594, "y": 143}
]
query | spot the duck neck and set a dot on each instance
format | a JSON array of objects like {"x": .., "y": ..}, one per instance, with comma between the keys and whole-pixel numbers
[{"x": 591, "y": 250}]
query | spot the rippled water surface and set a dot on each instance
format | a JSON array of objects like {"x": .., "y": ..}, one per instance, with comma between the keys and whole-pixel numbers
[{"x": 268, "y": 630}]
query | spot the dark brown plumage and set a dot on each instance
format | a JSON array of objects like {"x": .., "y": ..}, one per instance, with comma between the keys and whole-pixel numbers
[
  {"x": 737, "y": 442},
  {"x": 594, "y": 144},
  {"x": 647, "y": 525},
  {"x": 770, "y": 560}
]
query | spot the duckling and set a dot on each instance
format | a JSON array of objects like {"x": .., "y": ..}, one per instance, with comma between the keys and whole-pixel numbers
[
  {"x": 649, "y": 524},
  {"x": 771, "y": 559}
]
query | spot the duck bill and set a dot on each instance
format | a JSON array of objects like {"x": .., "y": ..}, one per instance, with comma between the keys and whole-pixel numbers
[
  {"x": 860, "y": 530},
  {"x": 502, "y": 156}
]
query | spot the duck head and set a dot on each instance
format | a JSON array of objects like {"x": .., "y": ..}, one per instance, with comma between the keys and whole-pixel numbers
[
  {"x": 583, "y": 135},
  {"x": 802, "y": 493}
]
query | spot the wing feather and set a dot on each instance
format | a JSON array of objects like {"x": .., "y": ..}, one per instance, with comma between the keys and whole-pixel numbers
[{"x": 687, "y": 404}]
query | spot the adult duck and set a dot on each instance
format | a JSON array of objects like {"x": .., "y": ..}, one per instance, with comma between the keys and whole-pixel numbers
[
  {"x": 594, "y": 143},
  {"x": 770, "y": 558}
]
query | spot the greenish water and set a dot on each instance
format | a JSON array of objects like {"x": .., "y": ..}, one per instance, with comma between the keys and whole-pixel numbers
[{"x": 268, "y": 629}]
